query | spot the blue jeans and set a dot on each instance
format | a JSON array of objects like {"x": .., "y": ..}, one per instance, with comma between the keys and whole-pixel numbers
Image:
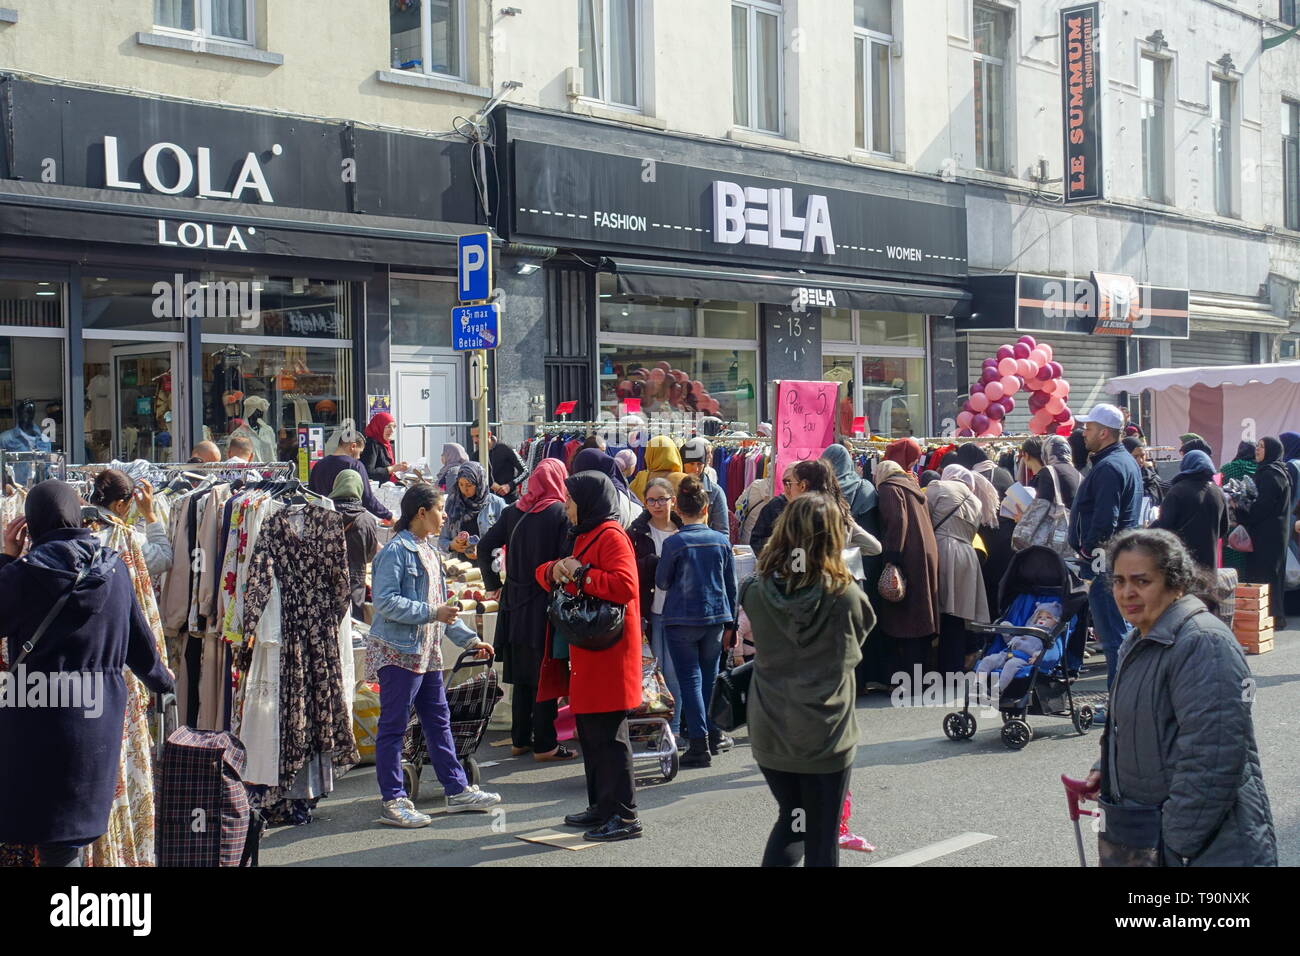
[
  {"x": 695, "y": 652},
  {"x": 399, "y": 690},
  {"x": 659, "y": 647},
  {"x": 1107, "y": 622}
]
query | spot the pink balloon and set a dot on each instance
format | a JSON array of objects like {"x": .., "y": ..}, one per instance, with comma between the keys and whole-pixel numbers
[
  {"x": 1055, "y": 406},
  {"x": 964, "y": 419},
  {"x": 994, "y": 429},
  {"x": 1057, "y": 371},
  {"x": 1021, "y": 350},
  {"x": 1008, "y": 366},
  {"x": 994, "y": 391},
  {"x": 977, "y": 387},
  {"x": 1039, "y": 357},
  {"x": 1028, "y": 340},
  {"x": 1026, "y": 368},
  {"x": 1070, "y": 423},
  {"x": 980, "y": 424},
  {"x": 1050, "y": 386},
  {"x": 1005, "y": 352},
  {"x": 995, "y": 412},
  {"x": 1044, "y": 348},
  {"x": 1062, "y": 387},
  {"x": 1009, "y": 385},
  {"x": 979, "y": 401}
]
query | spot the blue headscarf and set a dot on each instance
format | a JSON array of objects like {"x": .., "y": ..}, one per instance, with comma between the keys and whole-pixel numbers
[
  {"x": 858, "y": 492},
  {"x": 1290, "y": 445},
  {"x": 1196, "y": 465}
]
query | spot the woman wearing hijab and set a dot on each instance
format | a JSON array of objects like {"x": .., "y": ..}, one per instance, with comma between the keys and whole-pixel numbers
[
  {"x": 59, "y": 765},
  {"x": 602, "y": 686},
  {"x": 905, "y": 452},
  {"x": 907, "y": 540},
  {"x": 626, "y": 460},
  {"x": 956, "y": 513},
  {"x": 1269, "y": 524},
  {"x": 662, "y": 460},
  {"x": 378, "y": 454},
  {"x": 344, "y": 452},
  {"x": 360, "y": 530},
  {"x": 471, "y": 510},
  {"x": 531, "y": 532},
  {"x": 992, "y": 483},
  {"x": 594, "y": 459},
  {"x": 1196, "y": 510},
  {"x": 1153, "y": 488},
  {"x": 1243, "y": 466},
  {"x": 453, "y": 456}
]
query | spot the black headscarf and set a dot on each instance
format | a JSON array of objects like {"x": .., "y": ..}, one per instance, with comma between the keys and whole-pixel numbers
[
  {"x": 52, "y": 506},
  {"x": 1200, "y": 444},
  {"x": 970, "y": 455},
  {"x": 593, "y": 459},
  {"x": 927, "y": 477},
  {"x": 1272, "y": 450},
  {"x": 1245, "y": 451},
  {"x": 596, "y": 497},
  {"x": 1131, "y": 444}
]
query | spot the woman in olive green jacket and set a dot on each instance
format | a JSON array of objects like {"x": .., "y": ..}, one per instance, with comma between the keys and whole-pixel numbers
[{"x": 809, "y": 620}]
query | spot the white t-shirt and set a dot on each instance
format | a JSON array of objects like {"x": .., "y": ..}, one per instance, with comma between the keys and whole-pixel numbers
[{"x": 659, "y": 537}]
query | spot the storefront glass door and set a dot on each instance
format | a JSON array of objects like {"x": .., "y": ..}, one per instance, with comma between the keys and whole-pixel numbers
[{"x": 145, "y": 413}]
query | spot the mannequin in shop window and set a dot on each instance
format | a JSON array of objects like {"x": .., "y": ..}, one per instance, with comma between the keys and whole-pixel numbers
[
  {"x": 26, "y": 435},
  {"x": 256, "y": 430}
]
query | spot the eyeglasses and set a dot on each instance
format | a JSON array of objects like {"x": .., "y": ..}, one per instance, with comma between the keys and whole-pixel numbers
[
  {"x": 658, "y": 501},
  {"x": 787, "y": 481}
]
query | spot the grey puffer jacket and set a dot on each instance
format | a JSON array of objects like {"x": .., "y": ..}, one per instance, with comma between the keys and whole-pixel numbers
[{"x": 1183, "y": 737}]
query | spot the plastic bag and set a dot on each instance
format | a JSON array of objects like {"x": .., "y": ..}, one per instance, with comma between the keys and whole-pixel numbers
[{"x": 1239, "y": 540}]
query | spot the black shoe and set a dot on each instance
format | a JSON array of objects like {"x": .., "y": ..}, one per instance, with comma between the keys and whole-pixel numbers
[
  {"x": 615, "y": 828},
  {"x": 587, "y": 818},
  {"x": 697, "y": 755},
  {"x": 718, "y": 742}
]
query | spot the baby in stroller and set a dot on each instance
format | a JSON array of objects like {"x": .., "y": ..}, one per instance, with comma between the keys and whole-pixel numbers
[{"x": 1021, "y": 649}]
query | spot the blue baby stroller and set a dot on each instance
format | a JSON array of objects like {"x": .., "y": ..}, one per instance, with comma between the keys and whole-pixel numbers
[{"x": 1041, "y": 688}]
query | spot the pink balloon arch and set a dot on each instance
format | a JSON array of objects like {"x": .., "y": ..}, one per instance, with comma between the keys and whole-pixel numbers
[{"x": 1026, "y": 366}]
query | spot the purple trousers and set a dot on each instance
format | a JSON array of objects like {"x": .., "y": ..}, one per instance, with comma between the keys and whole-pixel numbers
[{"x": 399, "y": 690}]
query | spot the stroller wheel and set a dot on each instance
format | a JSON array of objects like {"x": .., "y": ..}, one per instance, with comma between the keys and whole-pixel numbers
[
  {"x": 954, "y": 727},
  {"x": 411, "y": 780},
  {"x": 1016, "y": 733},
  {"x": 968, "y": 725},
  {"x": 1082, "y": 718}
]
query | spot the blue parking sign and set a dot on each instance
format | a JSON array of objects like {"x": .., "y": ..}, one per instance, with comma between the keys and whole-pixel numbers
[
  {"x": 475, "y": 327},
  {"x": 474, "y": 267}
]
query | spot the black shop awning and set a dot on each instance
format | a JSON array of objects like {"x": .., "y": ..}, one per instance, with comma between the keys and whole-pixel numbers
[{"x": 726, "y": 283}]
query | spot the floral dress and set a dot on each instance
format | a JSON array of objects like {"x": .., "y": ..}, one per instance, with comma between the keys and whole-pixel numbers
[
  {"x": 311, "y": 568},
  {"x": 429, "y": 657}
]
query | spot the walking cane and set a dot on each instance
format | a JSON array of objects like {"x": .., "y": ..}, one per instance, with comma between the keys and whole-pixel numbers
[{"x": 1074, "y": 791}]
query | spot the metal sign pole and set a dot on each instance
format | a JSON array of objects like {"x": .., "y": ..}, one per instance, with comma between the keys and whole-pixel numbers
[{"x": 479, "y": 384}]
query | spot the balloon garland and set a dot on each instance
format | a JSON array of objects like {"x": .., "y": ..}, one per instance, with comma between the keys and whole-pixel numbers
[
  {"x": 1025, "y": 366},
  {"x": 664, "y": 384}
]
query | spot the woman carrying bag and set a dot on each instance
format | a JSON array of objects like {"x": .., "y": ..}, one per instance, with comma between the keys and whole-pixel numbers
[
  {"x": 602, "y": 685},
  {"x": 909, "y": 585}
]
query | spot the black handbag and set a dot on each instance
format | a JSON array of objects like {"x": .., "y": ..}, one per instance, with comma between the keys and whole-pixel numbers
[
  {"x": 728, "y": 707},
  {"x": 584, "y": 620}
]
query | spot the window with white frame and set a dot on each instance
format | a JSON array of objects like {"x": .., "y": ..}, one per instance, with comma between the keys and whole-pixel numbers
[
  {"x": 873, "y": 74},
  {"x": 992, "y": 43},
  {"x": 1223, "y": 92},
  {"x": 428, "y": 36},
  {"x": 1291, "y": 164},
  {"x": 1152, "y": 81},
  {"x": 609, "y": 51},
  {"x": 756, "y": 65},
  {"x": 230, "y": 20}
]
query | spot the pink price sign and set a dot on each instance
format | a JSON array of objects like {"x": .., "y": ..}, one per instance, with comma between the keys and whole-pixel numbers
[{"x": 805, "y": 421}]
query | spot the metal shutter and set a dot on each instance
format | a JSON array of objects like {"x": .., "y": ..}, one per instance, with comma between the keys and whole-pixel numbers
[
  {"x": 1088, "y": 362},
  {"x": 1212, "y": 348}
]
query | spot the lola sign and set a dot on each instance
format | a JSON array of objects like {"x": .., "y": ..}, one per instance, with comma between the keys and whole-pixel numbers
[
  {"x": 763, "y": 217},
  {"x": 161, "y": 177}
]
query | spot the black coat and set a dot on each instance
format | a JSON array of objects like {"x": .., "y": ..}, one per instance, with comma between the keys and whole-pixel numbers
[
  {"x": 58, "y": 765},
  {"x": 361, "y": 531},
  {"x": 521, "y": 623},
  {"x": 647, "y": 559},
  {"x": 1196, "y": 510},
  {"x": 507, "y": 468},
  {"x": 767, "y": 522},
  {"x": 377, "y": 460},
  {"x": 1269, "y": 524}
]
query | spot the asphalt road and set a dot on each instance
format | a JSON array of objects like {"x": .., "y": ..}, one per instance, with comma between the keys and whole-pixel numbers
[{"x": 922, "y": 799}]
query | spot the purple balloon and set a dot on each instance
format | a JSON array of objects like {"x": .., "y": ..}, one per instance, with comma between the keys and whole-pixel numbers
[
  {"x": 1037, "y": 400},
  {"x": 1028, "y": 340},
  {"x": 990, "y": 374},
  {"x": 965, "y": 433},
  {"x": 991, "y": 361},
  {"x": 980, "y": 423},
  {"x": 1022, "y": 350},
  {"x": 1044, "y": 372},
  {"x": 1008, "y": 403},
  {"x": 976, "y": 387},
  {"x": 994, "y": 412},
  {"x": 1062, "y": 416},
  {"x": 1006, "y": 352},
  {"x": 1057, "y": 371}
]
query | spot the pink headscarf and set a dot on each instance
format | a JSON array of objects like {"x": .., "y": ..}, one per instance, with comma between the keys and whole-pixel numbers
[{"x": 545, "y": 486}]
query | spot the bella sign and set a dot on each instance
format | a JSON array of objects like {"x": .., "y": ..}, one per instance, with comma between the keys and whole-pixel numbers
[
  {"x": 762, "y": 217},
  {"x": 250, "y": 177}
]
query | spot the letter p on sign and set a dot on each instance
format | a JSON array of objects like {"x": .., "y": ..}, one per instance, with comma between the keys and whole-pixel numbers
[{"x": 474, "y": 267}]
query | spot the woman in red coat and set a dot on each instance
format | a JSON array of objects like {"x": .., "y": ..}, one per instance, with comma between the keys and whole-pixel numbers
[{"x": 602, "y": 685}]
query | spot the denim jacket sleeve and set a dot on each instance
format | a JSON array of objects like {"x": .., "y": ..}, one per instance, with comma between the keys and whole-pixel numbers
[
  {"x": 729, "y": 578},
  {"x": 460, "y": 633},
  {"x": 393, "y": 585}
]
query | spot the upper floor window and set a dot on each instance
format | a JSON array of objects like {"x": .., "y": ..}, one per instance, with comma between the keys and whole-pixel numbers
[
  {"x": 1286, "y": 13},
  {"x": 756, "y": 66},
  {"x": 230, "y": 20},
  {"x": 992, "y": 43},
  {"x": 1222, "y": 96},
  {"x": 1152, "y": 83},
  {"x": 609, "y": 50},
  {"x": 873, "y": 74},
  {"x": 428, "y": 36},
  {"x": 1291, "y": 164}
]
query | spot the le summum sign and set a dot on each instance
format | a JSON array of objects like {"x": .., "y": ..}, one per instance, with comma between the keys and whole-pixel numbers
[{"x": 1081, "y": 85}]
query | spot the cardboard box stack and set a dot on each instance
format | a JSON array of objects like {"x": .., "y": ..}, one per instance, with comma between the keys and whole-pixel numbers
[{"x": 1251, "y": 621}]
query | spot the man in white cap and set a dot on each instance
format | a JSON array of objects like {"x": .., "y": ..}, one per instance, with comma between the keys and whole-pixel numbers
[
  {"x": 695, "y": 461},
  {"x": 1106, "y": 503}
]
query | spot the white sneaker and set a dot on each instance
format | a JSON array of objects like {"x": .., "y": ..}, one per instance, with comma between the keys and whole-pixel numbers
[
  {"x": 472, "y": 799},
  {"x": 402, "y": 813}
]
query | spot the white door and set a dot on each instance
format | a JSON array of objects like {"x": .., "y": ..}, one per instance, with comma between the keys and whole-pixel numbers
[{"x": 427, "y": 391}]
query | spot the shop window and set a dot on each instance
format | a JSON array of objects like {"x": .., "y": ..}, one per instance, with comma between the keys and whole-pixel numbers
[
  {"x": 992, "y": 41},
  {"x": 1291, "y": 164},
  {"x": 1223, "y": 94},
  {"x": 133, "y": 305},
  {"x": 31, "y": 305},
  {"x": 1153, "y": 81},
  {"x": 873, "y": 74},
  {"x": 756, "y": 65},
  {"x": 888, "y": 391},
  {"x": 31, "y": 392},
  {"x": 837, "y": 325},
  {"x": 229, "y": 20},
  {"x": 624, "y": 314},
  {"x": 891, "y": 328},
  {"x": 609, "y": 51},
  {"x": 283, "y": 307},
  {"x": 678, "y": 379},
  {"x": 428, "y": 36},
  {"x": 1287, "y": 12},
  {"x": 420, "y": 312}
]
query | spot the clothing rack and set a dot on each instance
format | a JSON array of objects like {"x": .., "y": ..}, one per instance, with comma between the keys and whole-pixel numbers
[
  {"x": 47, "y": 458},
  {"x": 882, "y": 442}
]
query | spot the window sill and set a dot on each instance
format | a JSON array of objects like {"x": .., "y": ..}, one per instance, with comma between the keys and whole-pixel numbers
[
  {"x": 865, "y": 157},
  {"x": 987, "y": 176},
  {"x": 759, "y": 139},
  {"x": 8, "y": 15},
  {"x": 429, "y": 82},
  {"x": 197, "y": 44},
  {"x": 602, "y": 111}
]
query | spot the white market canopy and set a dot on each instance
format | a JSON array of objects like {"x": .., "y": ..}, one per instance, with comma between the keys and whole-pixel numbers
[{"x": 1158, "y": 379}]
